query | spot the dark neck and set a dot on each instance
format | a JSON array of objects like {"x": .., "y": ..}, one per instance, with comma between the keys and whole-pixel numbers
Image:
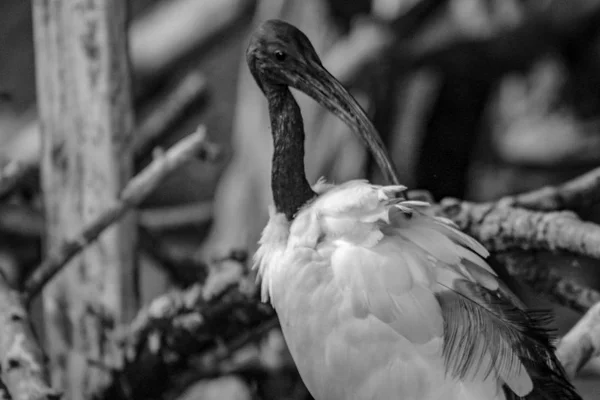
[{"x": 288, "y": 179}]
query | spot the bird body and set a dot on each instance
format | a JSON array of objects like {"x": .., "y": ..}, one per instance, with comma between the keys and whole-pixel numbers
[
  {"x": 377, "y": 297},
  {"x": 356, "y": 300}
]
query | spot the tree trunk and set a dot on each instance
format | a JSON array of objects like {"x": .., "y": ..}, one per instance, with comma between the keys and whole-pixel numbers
[{"x": 84, "y": 100}]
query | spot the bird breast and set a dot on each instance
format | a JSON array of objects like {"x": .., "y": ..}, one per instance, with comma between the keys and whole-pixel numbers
[
  {"x": 354, "y": 290},
  {"x": 342, "y": 356}
]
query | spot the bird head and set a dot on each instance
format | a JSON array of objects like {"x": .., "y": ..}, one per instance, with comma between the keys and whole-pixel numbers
[{"x": 280, "y": 55}]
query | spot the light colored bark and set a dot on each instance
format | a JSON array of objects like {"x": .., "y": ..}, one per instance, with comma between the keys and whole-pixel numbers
[
  {"x": 86, "y": 117},
  {"x": 137, "y": 189},
  {"x": 581, "y": 343},
  {"x": 23, "y": 371},
  {"x": 158, "y": 39}
]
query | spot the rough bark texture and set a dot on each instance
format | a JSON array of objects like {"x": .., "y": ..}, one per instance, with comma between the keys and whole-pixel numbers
[
  {"x": 132, "y": 195},
  {"x": 500, "y": 227},
  {"x": 86, "y": 122},
  {"x": 21, "y": 358},
  {"x": 582, "y": 343}
]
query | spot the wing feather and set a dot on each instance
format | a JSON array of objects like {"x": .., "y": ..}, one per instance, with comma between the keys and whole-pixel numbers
[
  {"x": 432, "y": 242},
  {"x": 465, "y": 307},
  {"x": 426, "y": 279}
]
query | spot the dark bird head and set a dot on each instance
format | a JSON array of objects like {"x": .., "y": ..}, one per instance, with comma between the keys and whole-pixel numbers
[{"x": 280, "y": 55}]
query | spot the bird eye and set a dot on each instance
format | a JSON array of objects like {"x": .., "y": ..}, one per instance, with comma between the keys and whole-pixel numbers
[{"x": 280, "y": 55}]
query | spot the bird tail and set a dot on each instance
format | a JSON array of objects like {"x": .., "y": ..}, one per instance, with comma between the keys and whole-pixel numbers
[{"x": 549, "y": 378}]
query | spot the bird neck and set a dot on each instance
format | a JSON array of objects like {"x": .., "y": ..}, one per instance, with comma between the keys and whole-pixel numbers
[{"x": 288, "y": 178}]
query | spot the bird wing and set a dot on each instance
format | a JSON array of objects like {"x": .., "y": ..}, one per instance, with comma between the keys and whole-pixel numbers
[{"x": 426, "y": 279}]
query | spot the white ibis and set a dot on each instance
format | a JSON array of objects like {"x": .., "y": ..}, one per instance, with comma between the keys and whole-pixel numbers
[{"x": 377, "y": 298}]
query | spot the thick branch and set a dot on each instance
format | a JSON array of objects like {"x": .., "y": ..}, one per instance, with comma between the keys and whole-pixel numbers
[
  {"x": 133, "y": 194},
  {"x": 583, "y": 191},
  {"x": 582, "y": 342},
  {"x": 21, "y": 358},
  {"x": 565, "y": 291},
  {"x": 502, "y": 228}
]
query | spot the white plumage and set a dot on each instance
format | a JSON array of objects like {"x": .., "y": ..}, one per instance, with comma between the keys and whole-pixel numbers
[
  {"x": 378, "y": 298},
  {"x": 354, "y": 279}
]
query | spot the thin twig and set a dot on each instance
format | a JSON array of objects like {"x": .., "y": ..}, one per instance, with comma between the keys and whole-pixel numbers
[
  {"x": 581, "y": 192},
  {"x": 21, "y": 357},
  {"x": 148, "y": 131},
  {"x": 191, "y": 88},
  {"x": 581, "y": 343},
  {"x": 133, "y": 194}
]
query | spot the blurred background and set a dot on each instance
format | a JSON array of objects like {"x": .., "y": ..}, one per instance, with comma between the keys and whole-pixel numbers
[{"x": 475, "y": 99}]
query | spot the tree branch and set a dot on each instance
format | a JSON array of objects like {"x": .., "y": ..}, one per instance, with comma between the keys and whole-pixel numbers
[
  {"x": 583, "y": 191},
  {"x": 502, "y": 228},
  {"x": 149, "y": 130},
  {"x": 132, "y": 195},
  {"x": 582, "y": 342},
  {"x": 164, "y": 114},
  {"x": 21, "y": 358}
]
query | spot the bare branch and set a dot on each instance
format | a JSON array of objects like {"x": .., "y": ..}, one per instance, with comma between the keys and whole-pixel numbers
[
  {"x": 582, "y": 342},
  {"x": 502, "y": 228},
  {"x": 168, "y": 111},
  {"x": 509, "y": 232},
  {"x": 583, "y": 191},
  {"x": 132, "y": 195},
  {"x": 148, "y": 132},
  {"x": 21, "y": 358}
]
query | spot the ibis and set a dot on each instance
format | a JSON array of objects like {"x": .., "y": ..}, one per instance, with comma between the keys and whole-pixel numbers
[{"x": 378, "y": 298}]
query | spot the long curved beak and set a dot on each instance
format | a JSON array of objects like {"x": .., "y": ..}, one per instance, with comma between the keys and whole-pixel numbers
[{"x": 319, "y": 84}]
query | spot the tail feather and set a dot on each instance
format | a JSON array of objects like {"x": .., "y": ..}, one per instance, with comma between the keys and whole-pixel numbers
[
  {"x": 537, "y": 354},
  {"x": 518, "y": 340},
  {"x": 549, "y": 378}
]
